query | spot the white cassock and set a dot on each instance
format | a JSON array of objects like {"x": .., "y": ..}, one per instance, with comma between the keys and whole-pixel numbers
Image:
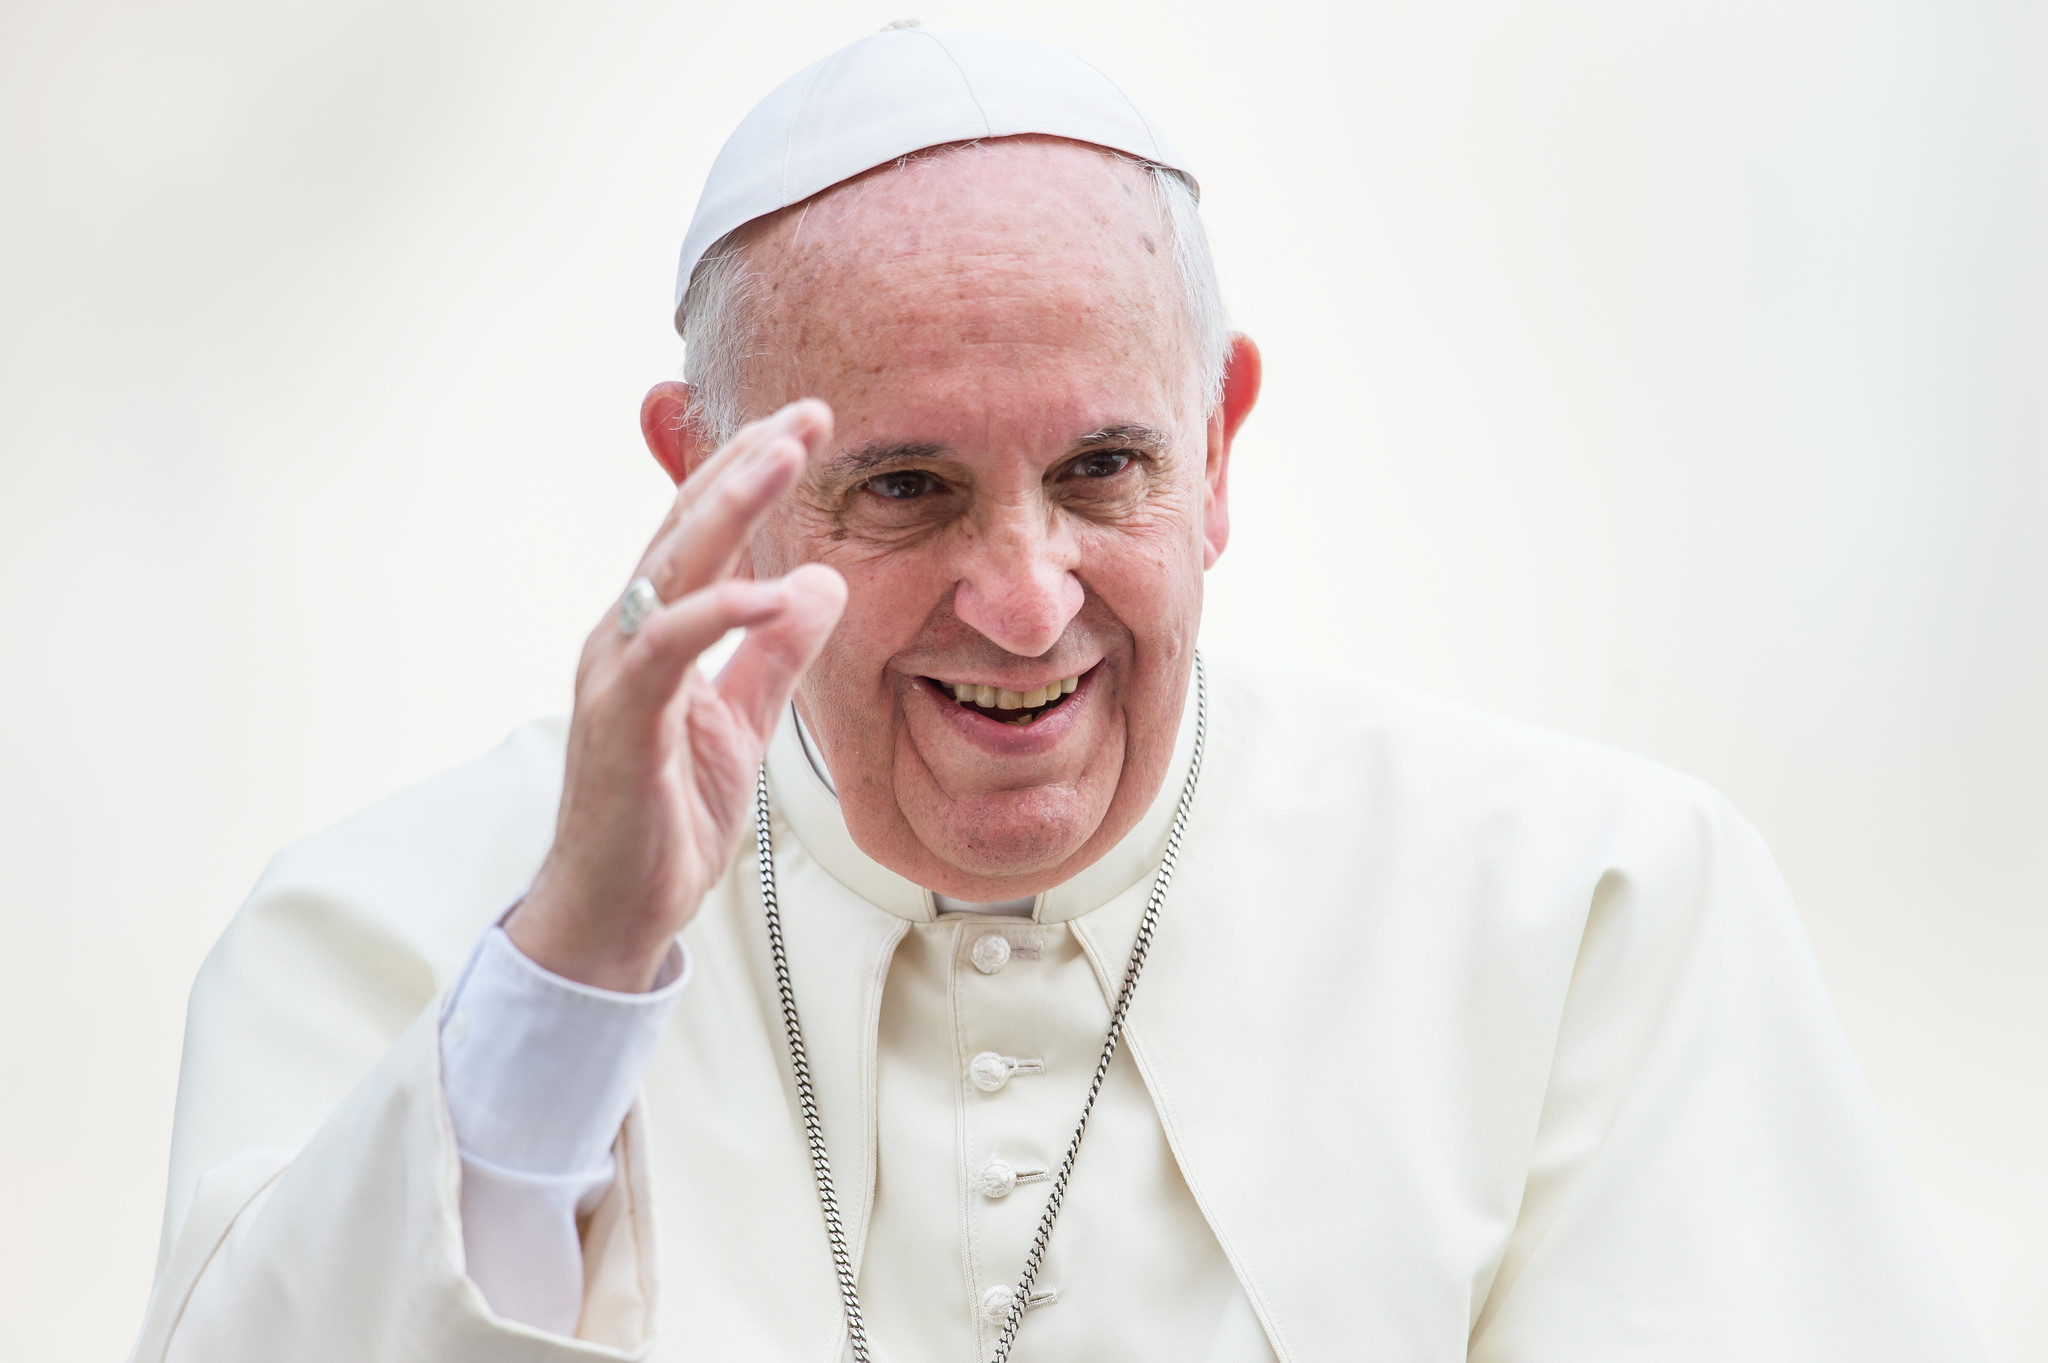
[{"x": 1459, "y": 1039}]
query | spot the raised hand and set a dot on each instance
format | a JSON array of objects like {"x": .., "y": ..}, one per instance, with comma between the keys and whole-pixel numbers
[{"x": 660, "y": 778}]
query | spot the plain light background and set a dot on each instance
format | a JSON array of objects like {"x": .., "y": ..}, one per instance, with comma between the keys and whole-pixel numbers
[{"x": 1673, "y": 373}]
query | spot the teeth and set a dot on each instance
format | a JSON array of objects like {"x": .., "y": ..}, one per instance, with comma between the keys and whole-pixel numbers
[{"x": 996, "y": 698}]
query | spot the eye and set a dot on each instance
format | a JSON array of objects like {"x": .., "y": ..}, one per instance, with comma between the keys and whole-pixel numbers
[
  {"x": 1101, "y": 464},
  {"x": 901, "y": 485}
]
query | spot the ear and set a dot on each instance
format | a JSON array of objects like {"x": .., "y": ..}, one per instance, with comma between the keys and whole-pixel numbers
[
  {"x": 1241, "y": 375},
  {"x": 671, "y": 435}
]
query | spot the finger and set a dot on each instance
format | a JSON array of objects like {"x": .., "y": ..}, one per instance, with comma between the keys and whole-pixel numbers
[
  {"x": 712, "y": 529},
  {"x": 762, "y": 674},
  {"x": 706, "y": 544},
  {"x": 807, "y": 420},
  {"x": 652, "y": 664}
]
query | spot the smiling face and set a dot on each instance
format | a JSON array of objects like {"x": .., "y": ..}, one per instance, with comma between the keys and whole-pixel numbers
[{"x": 1024, "y": 486}]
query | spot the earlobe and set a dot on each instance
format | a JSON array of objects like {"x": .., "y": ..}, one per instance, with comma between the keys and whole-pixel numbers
[
  {"x": 1215, "y": 524},
  {"x": 671, "y": 436}
]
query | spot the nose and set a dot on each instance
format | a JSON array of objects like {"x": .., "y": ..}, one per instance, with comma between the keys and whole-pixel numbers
[{"x": 1017, "y": 584}]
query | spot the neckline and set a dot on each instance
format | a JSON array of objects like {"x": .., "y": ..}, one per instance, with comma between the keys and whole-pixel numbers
[{"x": 811, "y": 810}]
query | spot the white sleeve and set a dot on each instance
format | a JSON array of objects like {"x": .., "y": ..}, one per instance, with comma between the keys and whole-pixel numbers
[
  {"x": 1709, "y": 1178},
  {"x": 539, "y": 1072}
]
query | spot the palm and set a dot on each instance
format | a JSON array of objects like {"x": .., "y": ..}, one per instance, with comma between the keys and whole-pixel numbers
[
  {"x": 662, "y": 759},
  {"x": 711, "y": 778}
]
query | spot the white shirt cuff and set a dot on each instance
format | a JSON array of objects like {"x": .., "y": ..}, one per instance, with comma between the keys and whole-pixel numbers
[{"x": 540, "y": 1070}]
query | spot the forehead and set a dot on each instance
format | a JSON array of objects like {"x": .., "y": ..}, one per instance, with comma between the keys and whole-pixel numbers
[{"x": 1021, "y": 260}]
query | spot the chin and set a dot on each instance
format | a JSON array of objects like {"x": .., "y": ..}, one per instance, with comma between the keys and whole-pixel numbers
[{"x": 1011, "y": 835}]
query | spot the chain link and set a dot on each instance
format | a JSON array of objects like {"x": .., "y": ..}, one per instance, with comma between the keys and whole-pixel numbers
[
  {"x": 814, "y": 1130},
  {"x": 799, "y": 1063}
]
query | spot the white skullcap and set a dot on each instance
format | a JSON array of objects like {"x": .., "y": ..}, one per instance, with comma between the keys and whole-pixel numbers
[{"x": 897, "y": 92}]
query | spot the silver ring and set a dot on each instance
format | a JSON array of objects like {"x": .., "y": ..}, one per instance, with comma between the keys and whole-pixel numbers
[{"x": 639, "y": 602}]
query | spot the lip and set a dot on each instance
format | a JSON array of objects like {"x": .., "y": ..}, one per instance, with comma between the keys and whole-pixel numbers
[{"x": 993, "y": 736}]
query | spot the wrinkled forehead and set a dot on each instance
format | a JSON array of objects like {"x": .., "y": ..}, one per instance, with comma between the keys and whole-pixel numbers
[{"x": 1021, "y": 250}]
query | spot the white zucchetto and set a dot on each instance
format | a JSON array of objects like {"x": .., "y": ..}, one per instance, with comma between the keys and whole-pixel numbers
[{"x": 897, "y": 92}]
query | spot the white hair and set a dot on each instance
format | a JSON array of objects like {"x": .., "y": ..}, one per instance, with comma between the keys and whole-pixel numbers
[{"x": 720, "y": 310}]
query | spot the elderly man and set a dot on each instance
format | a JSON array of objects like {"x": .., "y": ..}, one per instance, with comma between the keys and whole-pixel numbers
[{"x": 970, "y": 970}]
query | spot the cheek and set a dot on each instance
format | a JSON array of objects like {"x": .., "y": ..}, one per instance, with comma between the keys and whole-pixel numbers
[
  {"x": 783, "y": 542},
  {"x": 1149, "y": 573},
  {"x": 889, "y": 595}
]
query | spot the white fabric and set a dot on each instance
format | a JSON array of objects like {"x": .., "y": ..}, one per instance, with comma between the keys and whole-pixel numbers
[
  {"x": 811, "y": 753},
  {"x": 539, "y": 1072},
  {"x": 1467, "y": 1041},
  {"x": 1134, "y": 1273},
  {"x": 519, "y": 1228},
  {"x": 1001, "y": 908},
  {"x": 897, "y": 92}
]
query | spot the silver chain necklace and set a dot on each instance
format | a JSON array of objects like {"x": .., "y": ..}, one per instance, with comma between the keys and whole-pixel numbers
[{"x": 814, "y": 1131}]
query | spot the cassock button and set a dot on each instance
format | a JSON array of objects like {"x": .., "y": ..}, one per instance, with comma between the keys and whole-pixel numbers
[
  {"x": 996, "y": 1178},
  {"x": 991, "y": 952},
  {"x": 990, "y": 1071},
  {"x": 995, "y": 1303}
]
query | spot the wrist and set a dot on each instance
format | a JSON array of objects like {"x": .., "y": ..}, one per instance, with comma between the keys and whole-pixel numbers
[{"x": 593, "y": 954}]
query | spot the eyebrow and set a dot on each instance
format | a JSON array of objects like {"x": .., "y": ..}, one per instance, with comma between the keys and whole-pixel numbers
[
  {"x": 864, "y": 461},
  {"x": 1124, "y": 433}
]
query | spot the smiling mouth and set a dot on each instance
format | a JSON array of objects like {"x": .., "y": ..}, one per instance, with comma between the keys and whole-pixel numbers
[{"x": 1017, "y": 708}]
